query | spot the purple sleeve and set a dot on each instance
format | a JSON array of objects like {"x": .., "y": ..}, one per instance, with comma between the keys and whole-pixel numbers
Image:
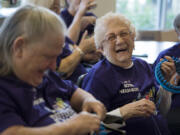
[
  {"x": 56, "y": 85},
  {"x": 67, "y": 17},
  {"x": 172, "y": 51},
  {"x": 97, "y": 88},
  {"x": 8, "y": 113},
  {"x": 70, "y": 86}
]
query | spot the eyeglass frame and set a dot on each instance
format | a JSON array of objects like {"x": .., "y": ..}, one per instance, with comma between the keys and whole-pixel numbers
[{"x": 121, "y": 34}]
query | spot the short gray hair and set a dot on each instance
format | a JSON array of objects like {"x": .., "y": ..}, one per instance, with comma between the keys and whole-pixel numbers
[
  {"x": 32, "y": 22},
  {"x": 43, "y": 3},
  {"x": 177, "y": 23},
  {"x": 103, "y": 21}
]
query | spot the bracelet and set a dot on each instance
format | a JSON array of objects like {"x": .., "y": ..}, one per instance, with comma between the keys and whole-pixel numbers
[{"x": 79, "y": 50}]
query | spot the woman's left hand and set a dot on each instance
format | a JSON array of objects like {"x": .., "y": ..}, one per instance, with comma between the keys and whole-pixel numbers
[
  {"x": 94, "y": 106},
  {"x": 168, "y": 68}
]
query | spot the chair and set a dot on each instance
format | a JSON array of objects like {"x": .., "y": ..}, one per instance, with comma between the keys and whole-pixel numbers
[{"x": 80, "y": 80}]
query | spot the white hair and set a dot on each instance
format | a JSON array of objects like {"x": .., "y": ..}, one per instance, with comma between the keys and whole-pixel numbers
[
  {"x": 30, "y": 21},
  {"x": 103, "y": 22},
  {"x": 177, "y": 23}
]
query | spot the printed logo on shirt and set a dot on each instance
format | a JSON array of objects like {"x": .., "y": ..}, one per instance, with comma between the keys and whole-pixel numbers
[
  {"x": 128, "y": 87},
  {"x": 60, "y": 104},
  {"x": 150, "y": 95},
  {"x": 61, "y": 111}
]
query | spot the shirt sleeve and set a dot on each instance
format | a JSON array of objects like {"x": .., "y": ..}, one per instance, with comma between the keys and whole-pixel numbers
[
  {"x": 8, "y": 113},
  {"x": 97, "y": 88},
  {"x": 70, "y": 86},
  {"x": 57, "y": 85}
]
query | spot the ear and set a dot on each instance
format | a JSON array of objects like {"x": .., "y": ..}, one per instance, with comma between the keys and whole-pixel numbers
[
  {"x": 101, "y": 49},
  {"x": 133, "y": 36},
  {"x": 18, "y": 46},
  {"x": 133, "y": 45}
]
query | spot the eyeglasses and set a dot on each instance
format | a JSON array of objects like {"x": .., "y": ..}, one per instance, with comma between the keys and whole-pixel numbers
[{"x": 113, "y": 37}]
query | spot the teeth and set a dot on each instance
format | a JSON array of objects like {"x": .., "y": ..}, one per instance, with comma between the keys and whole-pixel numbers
[{"x": 120, "y": 50}]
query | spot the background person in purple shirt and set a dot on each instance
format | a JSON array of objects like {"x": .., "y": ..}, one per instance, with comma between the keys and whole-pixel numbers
[
  {"x": 125, "y": 84},
  {"x": 174, "y": 51},
  {"x": 73, "y": 9},
  {"x": 78, "y": 10},
  {"x": 33, "y": 98}
]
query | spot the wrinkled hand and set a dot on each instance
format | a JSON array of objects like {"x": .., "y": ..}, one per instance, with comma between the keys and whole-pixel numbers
[
  {"x": 94, "y": 106},
  {"x": 141, "y": 108},
  {"x": 175, "y": 79},
  {"x": 87, "y": 45},
  {"x": 87, "y": 20},
  {"x": 168, "y": 68},
  {"x": 92, "y": 57},
  {"x": 84, "y": 123},
  {"x": 86, "y": 5}
]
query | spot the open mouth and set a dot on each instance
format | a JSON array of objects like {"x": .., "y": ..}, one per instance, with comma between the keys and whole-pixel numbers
[{"x": 121, "y": 50}]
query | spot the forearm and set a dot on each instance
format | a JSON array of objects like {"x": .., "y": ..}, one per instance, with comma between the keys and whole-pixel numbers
[
  {"x": 54, "y": 129},
  {"x": 78, "y": 99},
  {"x": 69, "y": 64},
  {"x": 164, "y": 98},
  {"x": 20, "y": 130},
  {"x": 75, "y": 28}
]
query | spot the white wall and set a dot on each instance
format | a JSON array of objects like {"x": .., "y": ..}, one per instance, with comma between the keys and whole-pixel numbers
[{"x": 104, "y": 6}]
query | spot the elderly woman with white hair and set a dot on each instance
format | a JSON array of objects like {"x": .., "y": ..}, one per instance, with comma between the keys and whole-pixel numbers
[
  {"x": 125, "y": 84},
  {"x": 34, "y": 100}
]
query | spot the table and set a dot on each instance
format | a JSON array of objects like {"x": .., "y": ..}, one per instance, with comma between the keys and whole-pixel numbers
[{"x": 149, "y": 50}]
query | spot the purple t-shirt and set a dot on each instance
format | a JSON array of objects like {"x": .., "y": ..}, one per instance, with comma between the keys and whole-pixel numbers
[
  {"x": 22, "y": 104},
  {"x": 115, "y": 87},
  {"x": 68, "y": 18},
  {"x": 172, "y": 51}
]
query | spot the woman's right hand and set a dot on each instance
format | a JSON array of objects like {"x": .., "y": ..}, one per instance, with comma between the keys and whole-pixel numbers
[
  {"x": 84, "y": 123},
  {"x": 86, "y": 5},
  {"x": 92, "y": 57},
  {"x": 87, "y": 20},
  {"x": 141, "y": 108},
  {"x": 87, "y": 45}
]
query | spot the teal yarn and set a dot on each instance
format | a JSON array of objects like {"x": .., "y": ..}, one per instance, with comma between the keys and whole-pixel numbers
[{"x": 161, "y": 80}]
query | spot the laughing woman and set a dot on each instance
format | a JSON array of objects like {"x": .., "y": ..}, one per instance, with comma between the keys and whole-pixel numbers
[{"x": 126, "y": 84}]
